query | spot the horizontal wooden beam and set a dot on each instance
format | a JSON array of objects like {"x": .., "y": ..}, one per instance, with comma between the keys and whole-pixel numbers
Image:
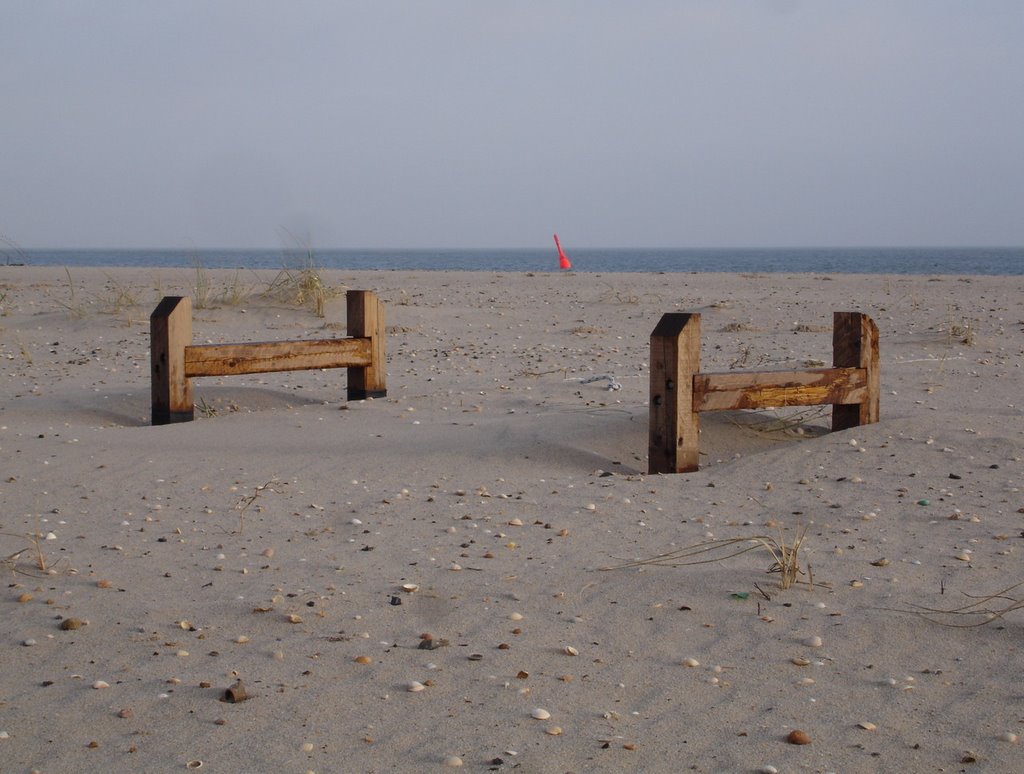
[
  {"x": 762, "y": 389},
  {"x": 267, "y": 356}
]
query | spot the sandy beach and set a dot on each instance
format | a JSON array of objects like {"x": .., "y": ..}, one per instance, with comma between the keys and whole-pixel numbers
[{"x": 415, "y": 583}]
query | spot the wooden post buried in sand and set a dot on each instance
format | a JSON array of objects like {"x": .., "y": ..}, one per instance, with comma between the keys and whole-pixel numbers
[
  {"x": 679, "y": 392},
  {"x": 174, "y": 360}
]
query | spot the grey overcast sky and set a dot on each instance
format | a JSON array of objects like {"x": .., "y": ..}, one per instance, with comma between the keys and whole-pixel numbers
[{"x": 492, "y": 123}]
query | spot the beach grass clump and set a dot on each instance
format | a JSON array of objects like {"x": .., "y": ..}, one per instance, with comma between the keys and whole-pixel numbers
[
  {"x": 39, "y": 560},
  {"x": 302, "y": 286},
  {"x": 786, "y": 556}
]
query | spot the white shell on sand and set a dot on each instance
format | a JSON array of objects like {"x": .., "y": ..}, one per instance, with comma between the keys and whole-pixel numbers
[
  {"x": 813, "y": 642},
  {"x": 540, "y": 714},
  {"x": 453, "y": 761},
  {"x": 415, "y": 686},
  {"x": 691, "y": 662}
]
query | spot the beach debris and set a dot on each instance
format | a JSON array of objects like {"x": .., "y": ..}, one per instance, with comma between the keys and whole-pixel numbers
[
  {"x": 796, "y": 736},
  {"x": 363, "y": 660},
  {"x": 563, "y": 260},
  {"x": 70, "y": 624},
  {"x": 235, "y": 693}
]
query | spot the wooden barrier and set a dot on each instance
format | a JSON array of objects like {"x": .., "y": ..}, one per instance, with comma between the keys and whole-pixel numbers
[
  {"x": 174, "y": 360},
  {"x": 679, "y": 392}
]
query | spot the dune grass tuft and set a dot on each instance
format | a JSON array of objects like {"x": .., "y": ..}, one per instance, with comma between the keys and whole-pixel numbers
[{"x": 785, "y": 556}]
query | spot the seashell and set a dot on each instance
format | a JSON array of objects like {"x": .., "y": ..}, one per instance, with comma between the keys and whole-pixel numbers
[
  {"x": 796, "y": 736},
  {"x": 800, "y": 661},
  {"x": 241, "y": 639},
  {"x": 409, "y": 588},
  {"x": 691, "y": 662},
  {"x": 197, "y": 764},
  {"x": 571, "y": 651},
  {"x": 453, "y": 761},
  {"x": 540, "y": 714},
  {"x": 813, "y": 642},
  {"x": 805, "y": 681},
  {"x": 516, "y": 616},
  {"x": 294, "y": 618},
  {"x": 867, "y": 726},
  {"x": 553, "y": 730},
  {"x": 69, "y": 624},
  {"x": 100, "y": 684},
  {"x": 1010, "y": 737},
  {"x": 522, "y": 674},
  {"x": 124, "y": 713},
  {"x": 268, "y": 553},
  {"x": 883, "y": 562},
  {"x": 415, "y": 686},
  {"x": 363, "y": 660},
  {"x": 515, "y": 522}
]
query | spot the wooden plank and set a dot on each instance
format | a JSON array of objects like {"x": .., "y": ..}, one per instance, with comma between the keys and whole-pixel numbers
[
  {"x": 365, "y": 314},
  {"x": 267, "y": 356},
  {"x": 855, "y": 344},
  {"x": 170, "y": 332},
  {"x": 674, "y": 431},
  {"x": 770, "y": 389}
]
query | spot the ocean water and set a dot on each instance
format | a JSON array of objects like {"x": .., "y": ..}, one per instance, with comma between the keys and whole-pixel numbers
[{"x": 881, "y": 260}]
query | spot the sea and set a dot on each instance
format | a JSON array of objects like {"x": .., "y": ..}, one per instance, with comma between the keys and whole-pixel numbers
[{"x": 865, "y": 260}]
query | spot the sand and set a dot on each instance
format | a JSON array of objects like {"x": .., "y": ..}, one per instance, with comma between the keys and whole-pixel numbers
[{"x": 269, "y": 540}]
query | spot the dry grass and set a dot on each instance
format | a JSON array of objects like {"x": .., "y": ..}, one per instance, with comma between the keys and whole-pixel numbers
[
  {"x": 980, "y": 612},
  {"x": 39, "y": 561},
  {"x": 785, "y": 556},
  {"x": 302, "y": 286}
]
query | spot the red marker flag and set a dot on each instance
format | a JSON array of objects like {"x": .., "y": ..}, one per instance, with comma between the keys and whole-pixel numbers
[{"x": 563, "y": 261}]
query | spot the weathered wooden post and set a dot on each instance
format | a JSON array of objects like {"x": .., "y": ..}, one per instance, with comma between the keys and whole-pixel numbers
[
  {"x": 673, "y": 446},
  {"x": 855, "y": 345},
  {"x": 170, "y": 330},
  {"x": 366, "y": 319}
]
